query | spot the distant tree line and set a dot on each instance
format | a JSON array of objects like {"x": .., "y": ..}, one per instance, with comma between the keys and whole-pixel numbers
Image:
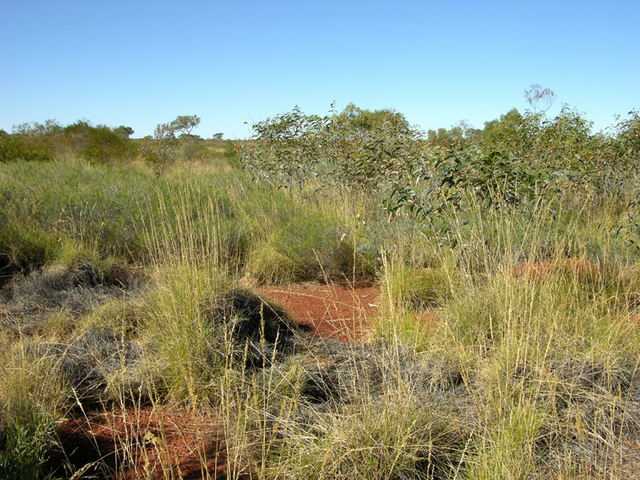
[{"x": 34, "y": 141}]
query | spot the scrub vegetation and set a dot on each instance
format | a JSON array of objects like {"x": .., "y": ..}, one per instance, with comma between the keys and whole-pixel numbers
[{"x": 507, "y": 343}]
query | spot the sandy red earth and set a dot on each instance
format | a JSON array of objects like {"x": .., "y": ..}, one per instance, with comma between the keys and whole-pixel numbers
[
  {"x": 160, "y": 443},
  {"x": 341, "y": 311},
  {"x": 182, "y": 444}
]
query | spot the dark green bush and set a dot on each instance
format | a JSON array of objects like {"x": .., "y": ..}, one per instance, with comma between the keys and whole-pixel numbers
[
  {"x": 286, "y": 151},
  {"x": 629, "y": 136},
  {"x": 99, "y": 144},
  {"x": 103, "y": 145},
  {"x": 16, "y": 148},
  {"x": 455, "y": 178}
]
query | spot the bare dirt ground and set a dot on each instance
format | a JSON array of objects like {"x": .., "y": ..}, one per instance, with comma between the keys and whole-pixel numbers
[
  {"x": 160, "y": 443},
  {"x": 340, "y": 311},
  {"x": 174, "y": 444}
]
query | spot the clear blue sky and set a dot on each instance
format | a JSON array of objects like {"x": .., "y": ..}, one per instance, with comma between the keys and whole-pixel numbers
[{"x": 142, "y": 62}]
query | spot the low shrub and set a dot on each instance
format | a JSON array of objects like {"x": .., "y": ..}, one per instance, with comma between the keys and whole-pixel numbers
[
  {"x": 23, "y": 249},
  {"x": 103, "y": 145},
  {"x": 314, "y": 246},
  {"x": 15, "y": 148}
]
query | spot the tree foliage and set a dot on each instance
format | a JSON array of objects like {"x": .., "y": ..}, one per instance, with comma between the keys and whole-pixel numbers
[
  {"x": 461, "y": 135},
  {"x": 35, "y": 129},
  {"x": 357, "y": 148},
  {"x": 172, "y": 141},
  {"x": 99, "y": 144},
  {"x": 124, "y": 132},
  {"x": 540, "y": 99},
  {"x": 514, "y": 162},
  {"x": 629, "y": 136},
  {"x": 286, "y": 149},
  {"x": 183, "y": 125},
  {"x": 366, "y": 148},
  {"x": 16, "y": 148},
  {"x": 456, "y": 178}
]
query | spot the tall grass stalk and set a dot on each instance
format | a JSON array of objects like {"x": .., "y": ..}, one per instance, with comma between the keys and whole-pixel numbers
[
  {"x": 31, "y": 399},
  {"x": 188, "y": 275}
]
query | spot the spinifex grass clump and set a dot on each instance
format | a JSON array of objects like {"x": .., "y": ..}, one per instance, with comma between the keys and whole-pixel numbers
[
  {"x": 550, "y": 371},
  {"x": 24, "y": 248},
  {"x": 313, "y": 247},
  {"x": 411, "y": 288},
  {"x": 31, "y": 398},
  {"x": 549, "y": 352},
  {"x": 196, "y": 321},
  {"x": 317, "y": 239},
  {"x": 409, "y": 437},
  {"x": 35, "y": 302},
  {"x": 376, "y": 410},
  {"x": 188, "y": 348},
  {"x": 95, "y": 206}
]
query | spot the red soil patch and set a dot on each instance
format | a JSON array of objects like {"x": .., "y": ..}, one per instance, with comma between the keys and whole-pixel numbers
[
  {"x": 145, "y": 443},
  {"x": 341, "y": 311}
]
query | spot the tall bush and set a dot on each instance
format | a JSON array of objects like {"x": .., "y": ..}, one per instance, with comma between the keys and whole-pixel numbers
[
  {"x": 160, "y": 150},
  {"x": 16, "y": 148},
  {"x": 357, "y": 148},
  {"x": 286, "y": 149}
]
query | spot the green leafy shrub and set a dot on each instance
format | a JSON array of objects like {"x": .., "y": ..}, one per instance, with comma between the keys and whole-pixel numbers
[
  {"x": 36, "y": 142},
  {"x": 99, "y": 144},
  {"x": 629, "y": 137},
  {"x": 104, "y": 145},
  {"x": 455, "y": 179},
  {"x": 17, "y": 148},
  {"x": 357, "y": 148},
  {"x": 365, "y": 148},
  {"x": 628, "y": 226},
  {"x": 555, "y": 142},
  {"x": 564, "y": 142},
  {"x": 286, "y": 151}
]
